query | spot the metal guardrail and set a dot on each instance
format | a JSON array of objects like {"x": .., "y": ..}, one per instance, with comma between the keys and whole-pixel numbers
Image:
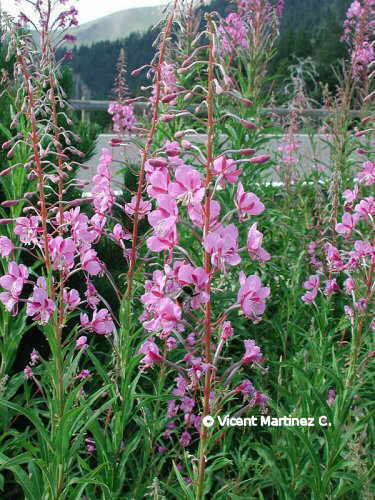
[{"x": 318, "y": 114}]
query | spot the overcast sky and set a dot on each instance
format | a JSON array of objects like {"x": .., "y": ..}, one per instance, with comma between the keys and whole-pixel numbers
[{"x": 90, "y": 9}]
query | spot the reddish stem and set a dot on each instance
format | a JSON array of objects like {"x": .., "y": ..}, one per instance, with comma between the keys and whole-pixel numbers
[
  {"x": 146, "y": 149},
  {"x": 207, "y": 262}
]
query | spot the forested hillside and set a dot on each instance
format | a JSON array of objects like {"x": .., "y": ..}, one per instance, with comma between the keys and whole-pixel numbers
[{"x": 310, "y": 28}]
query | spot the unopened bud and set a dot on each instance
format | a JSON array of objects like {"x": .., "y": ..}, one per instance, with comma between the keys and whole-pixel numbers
[
  {"x": 169, "y": 98},
  {"x": 188, "y": 96},
  {"x": 259, "y": 159},
  {"x": 218, "y": 88},
  {"x": 158, "y": 162},
  {"x": 247, "y": 124},
  {"x": 246, "y": 151},
  {"x": 115, "y": 142},
  {"x": 167, "y": 117},
  {"x": 10, "y": 203},
  {"x": 360, "y": 133}
]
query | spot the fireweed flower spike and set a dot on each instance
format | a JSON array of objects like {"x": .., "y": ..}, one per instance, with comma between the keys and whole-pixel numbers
[
  {"x": 58, "y": 236},
  {"x": 179, "y": 297},
  {"x": 349, "y": 266}
]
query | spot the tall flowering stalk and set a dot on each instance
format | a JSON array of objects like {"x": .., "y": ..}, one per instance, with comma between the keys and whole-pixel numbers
[
  {"x": 157, "y": 68},
  {"x": 54, "y": 232},
  {"x": 358, "y": 33},
  {"x": 248, "y": 35},
  {"x": 186, "y": 183},
  {"x": 123, "y": 116},
  {"x": 345, "y": 254}
]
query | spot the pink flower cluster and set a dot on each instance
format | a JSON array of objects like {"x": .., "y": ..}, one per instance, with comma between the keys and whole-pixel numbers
[
  {"x": 358, "y": 32},
  {"x": 233, "y": 34},
  {"x": 181, "y": 289},
  {"x": 349, "y": 266},
  {"x": 70, "y": 248},
  {"x": 123, "y": 117}
]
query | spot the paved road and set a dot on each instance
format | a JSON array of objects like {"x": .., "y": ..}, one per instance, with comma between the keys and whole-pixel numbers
[{"x": 306, "y": 155}]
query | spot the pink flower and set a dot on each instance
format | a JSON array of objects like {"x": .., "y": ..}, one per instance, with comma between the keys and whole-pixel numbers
[
  {"x": 349, "y": 313},
  {"x": 172, "y": 408},
  {"x": 252, "y": 353},
  {"x": 13, "y": 284},
  {"x": 365, "y": 207},
  {"x": 62, "y": 252},
  {"x": 90, "y": 262},
  {"x": 83, "y": 374},
  {"x": 6, "y": 246},
  {"x": 163, "y": 220},
  {"x": 143, "y": 209},
  {"x": 102, "y": 192},
  {"x": 259, "y": 399},
  {"x": 347, "y": 225},
  {"x": 158, "y": 164},
  {"x": 172, "y": 148},
  {"x": 119, "y": 234},
  {"x": 226, "y": 169},
  {"x": 252, "y": 296},
  {"x": 333, "y": 258},
  {"x": 28, "y": 373},
  {"x": 39, "y": 306},
  {"x": 158, "y": 183},
  {"x": 187, "y": 404},
  {"x": 196, "y": 213},
  {"x": 233, "y": 34},
  {"x": 310, "y": 296},
  {"x": 171, "y": 343},
  {"x": 187, "y": 185},
  {"x": 123, "y": 117},
  {"x": 222, "y": 246},
  {"x": 165, "y": 238},
  {"x": 81, "y": 342},
  {"x": 349, "y": 285},
  {"x": 362, "y": 249},
  {"x": 27, "y": 229},
  {"x": 151, "y": 352},
  {"x": 71, "y": 298},
  {"x": 350, "y": 195},
  {"x": 254, "y": 245},
  {"x": 312, "y": 283},
  {"x": 246, "y": 388},
  {"x": 331, "y": 397},
  {"x": 185, "y": 439},
  {"x": 367, "y": 174},
  {"x": 101, "y": 322},
  {"x": 91, "y": 295},
  {"x": 226, "y": 330},
  {"x": 247, "y": 203},
  {"x": 167, "y": 317},
  {"x": 34, "y": 357},
  {"x": 361, "y": 304},
  {"x": 331, "y": 287},
  {"x": 188, "y": 275},
  {"x": 166, "y": 209}
]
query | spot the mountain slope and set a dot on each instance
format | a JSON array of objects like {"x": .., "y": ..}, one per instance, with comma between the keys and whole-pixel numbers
[
  {"x": 118, "y": 25},
  {"x": 310, "y": 28}
]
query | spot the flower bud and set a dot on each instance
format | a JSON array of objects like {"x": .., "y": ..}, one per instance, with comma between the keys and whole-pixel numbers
[
  {"x": 167, "y": 117},
  {"x": 248, "y": 124},
  {"x": 259, "y": 159}
]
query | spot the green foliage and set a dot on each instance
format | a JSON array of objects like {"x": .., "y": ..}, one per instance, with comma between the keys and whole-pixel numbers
[{"x": 310, "y": 28}]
